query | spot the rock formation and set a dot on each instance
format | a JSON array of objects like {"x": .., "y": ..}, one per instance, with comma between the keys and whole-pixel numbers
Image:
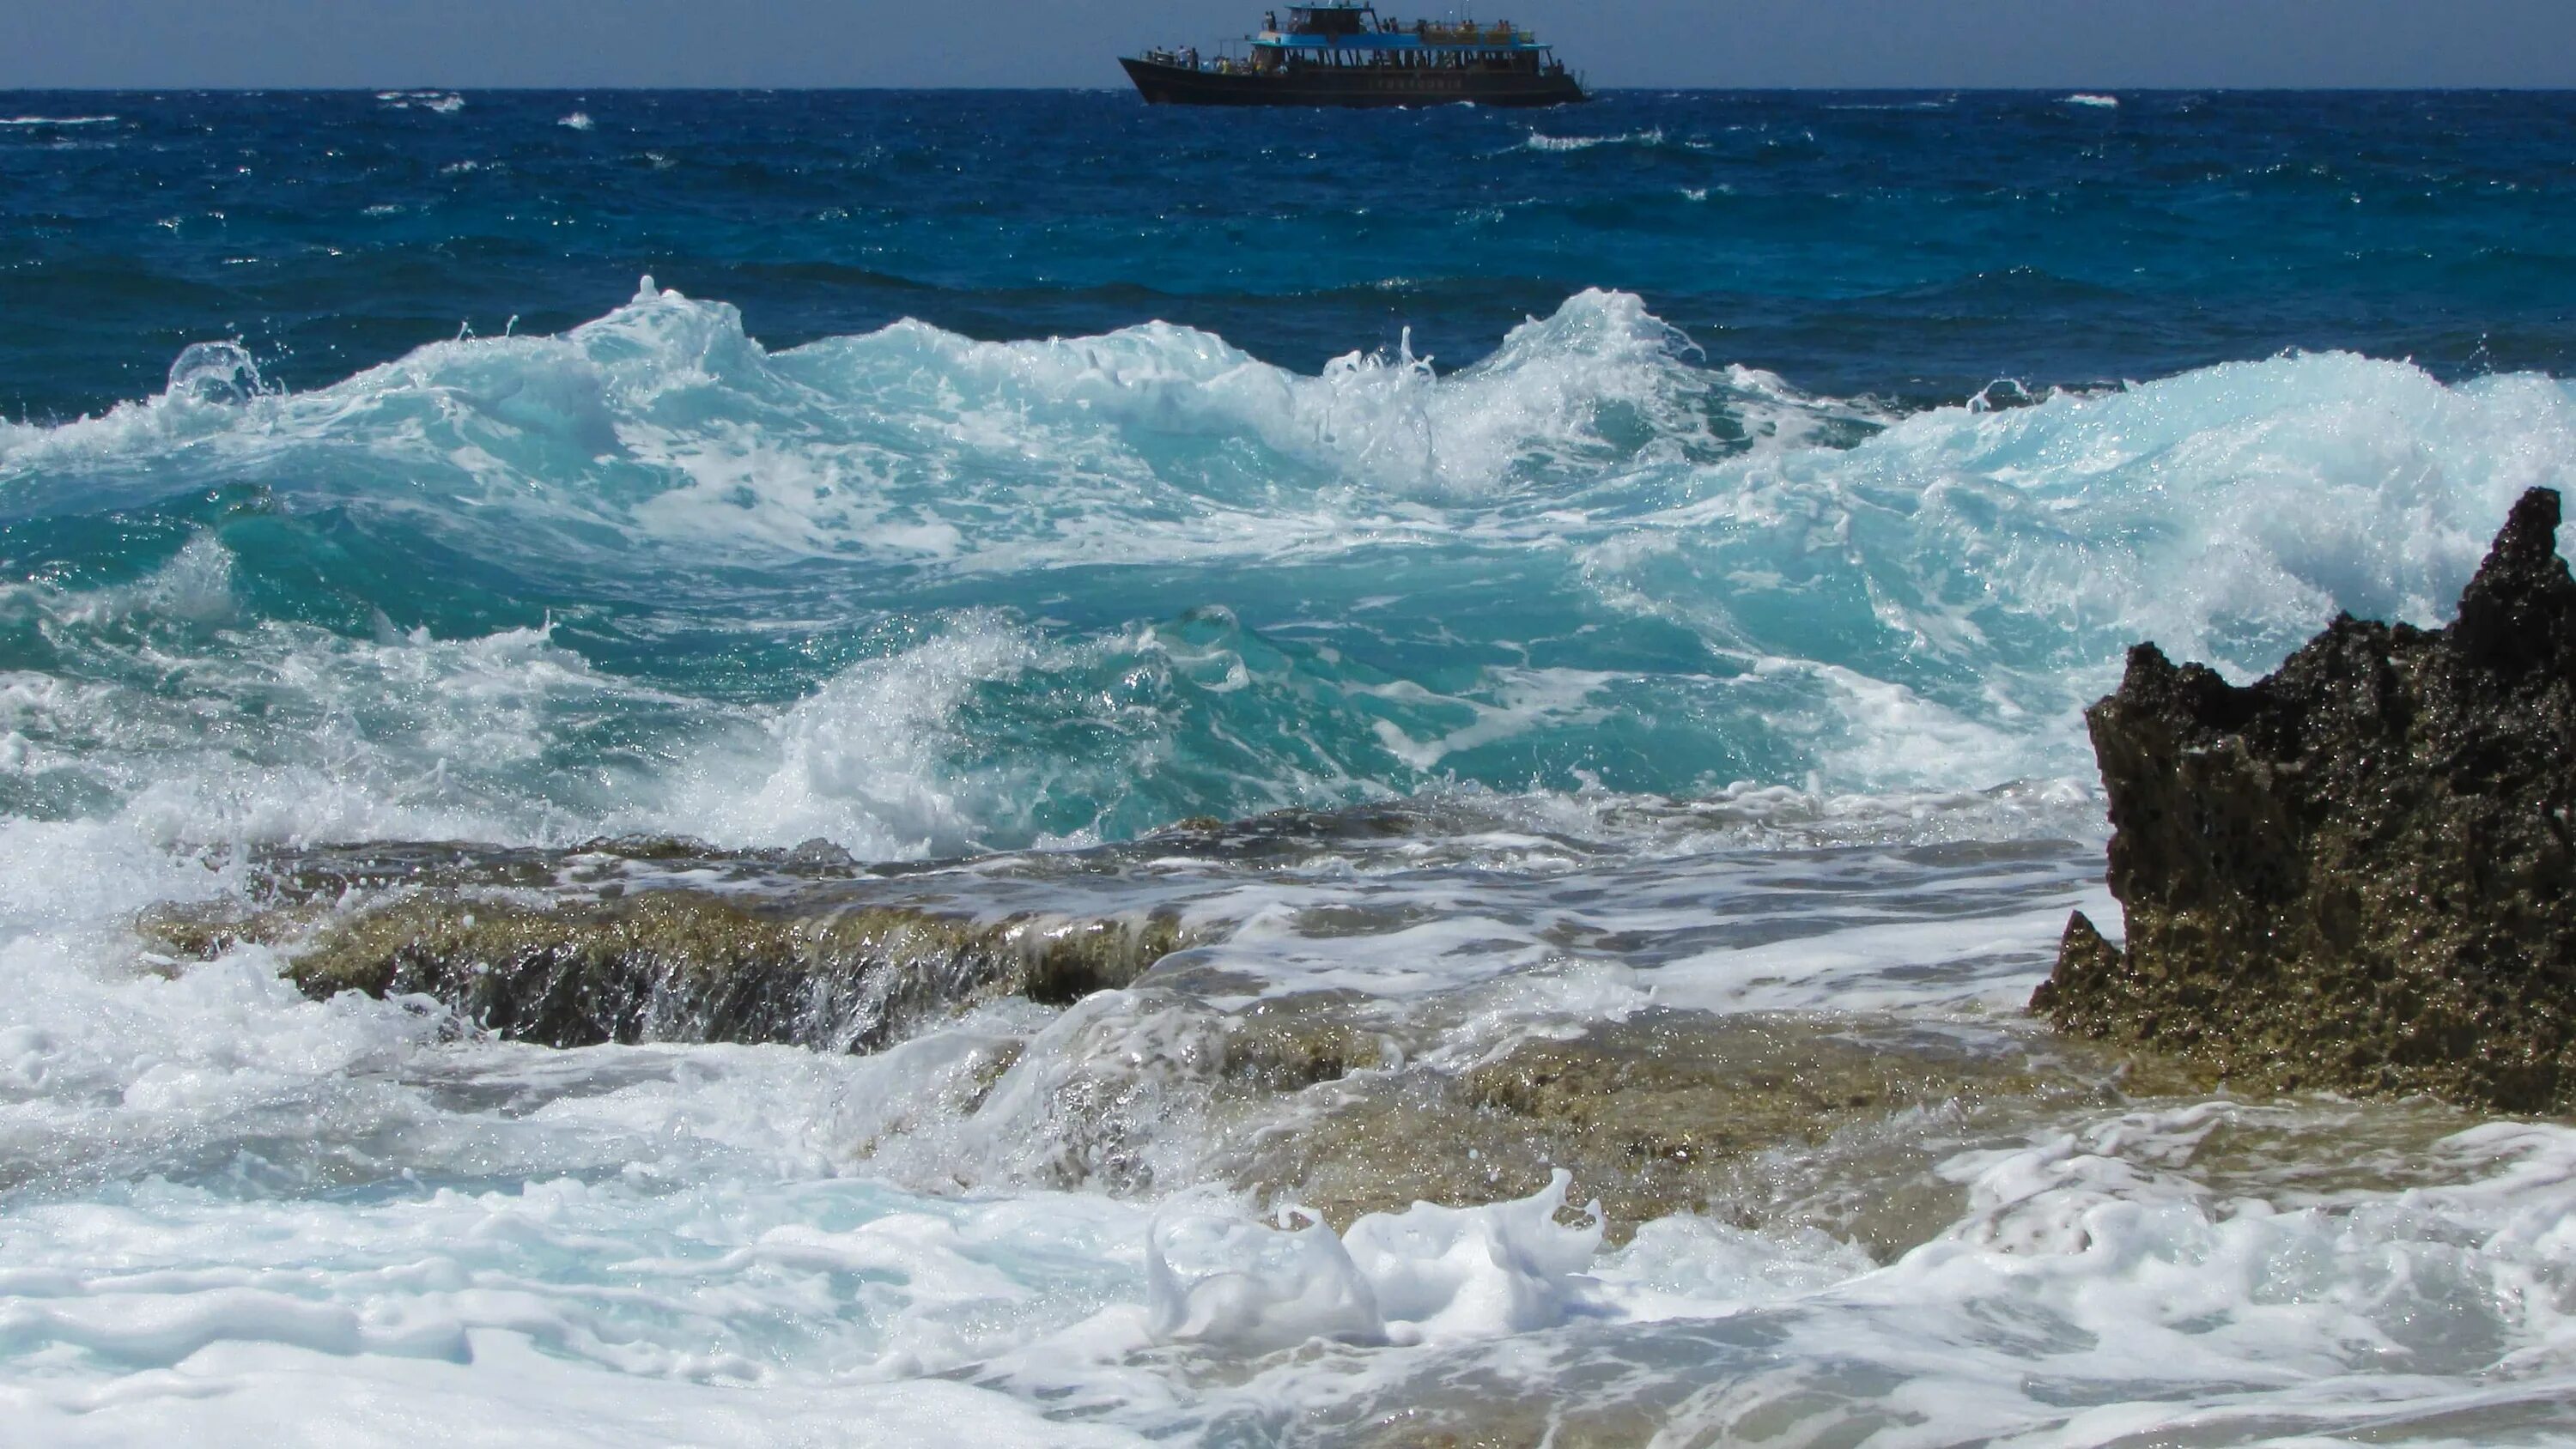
[
  {"x": 2357, "y": 874},
  {"x": 811, "y": 969}
]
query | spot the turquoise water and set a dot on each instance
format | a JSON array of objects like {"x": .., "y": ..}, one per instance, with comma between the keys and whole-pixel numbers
[{"x": 1664, "y": 548}]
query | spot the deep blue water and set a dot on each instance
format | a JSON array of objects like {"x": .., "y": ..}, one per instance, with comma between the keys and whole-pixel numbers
[{"x": 1910, "y": 246}]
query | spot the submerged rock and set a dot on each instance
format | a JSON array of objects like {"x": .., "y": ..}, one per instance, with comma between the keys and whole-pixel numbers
[
  {"x": 1653, "y": 1115},
  {"x": 2357, "y": 874},
  {"x": 1330, "y": 1100}
]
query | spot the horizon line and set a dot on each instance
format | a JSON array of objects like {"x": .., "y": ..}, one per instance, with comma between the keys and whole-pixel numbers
[{"x": 388, "y": 88}]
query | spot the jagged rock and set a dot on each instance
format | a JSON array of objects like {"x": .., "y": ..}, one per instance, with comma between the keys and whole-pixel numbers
[{"x": 2354, "y": 875}]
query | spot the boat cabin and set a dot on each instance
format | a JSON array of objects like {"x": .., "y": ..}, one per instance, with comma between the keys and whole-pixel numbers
[
  {"x": 1343, "y": 36},
  {"x": 1328, "y": 20}
]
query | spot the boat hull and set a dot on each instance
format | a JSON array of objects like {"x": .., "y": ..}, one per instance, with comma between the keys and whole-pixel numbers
[{"x": 1176, "y": 85}]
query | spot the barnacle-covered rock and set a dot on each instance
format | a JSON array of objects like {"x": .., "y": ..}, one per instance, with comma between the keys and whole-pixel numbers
[{"x": 2356, "y": 874}]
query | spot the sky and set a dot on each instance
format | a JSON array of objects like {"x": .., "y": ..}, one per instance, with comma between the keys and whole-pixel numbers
[{"x": 576, "y": 44}]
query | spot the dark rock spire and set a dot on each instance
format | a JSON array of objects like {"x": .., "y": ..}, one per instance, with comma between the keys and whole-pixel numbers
[{"x": 2357, "y": 873}]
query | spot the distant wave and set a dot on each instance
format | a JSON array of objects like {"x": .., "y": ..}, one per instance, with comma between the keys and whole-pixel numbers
[
  {"x": 445, "y": 103},
  {"x": 2088, "y": 98},
  {"x": 33, "y": 121},
  {"x": 1539, "y": 141}
]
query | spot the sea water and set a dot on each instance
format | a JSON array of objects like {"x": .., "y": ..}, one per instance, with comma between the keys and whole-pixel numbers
[{"x": 1568, "y": 630}]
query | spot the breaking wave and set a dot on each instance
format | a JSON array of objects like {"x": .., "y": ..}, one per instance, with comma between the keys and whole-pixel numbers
[{"x": 921, "y": 594}]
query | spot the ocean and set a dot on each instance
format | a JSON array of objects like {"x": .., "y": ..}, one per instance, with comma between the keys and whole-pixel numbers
[{"x": 1015, "y": 769}]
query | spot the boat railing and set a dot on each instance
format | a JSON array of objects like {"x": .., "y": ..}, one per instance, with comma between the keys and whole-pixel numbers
[
  {"x": 1468, "y": 32},
  {"x": 1419, "y": 32}
]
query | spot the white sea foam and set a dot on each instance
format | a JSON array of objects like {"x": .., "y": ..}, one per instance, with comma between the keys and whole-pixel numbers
[
  {"x": 399, "y": 736},
  {"x": 2225, "y": 513},
  {"x": 1426, "y": 1275},
  {"x": 2089, "y": 98},
  {"x": 664, "y": 407},
  {"x": 2095, "y": 1285},
  {"x": 237, "y": 1212},
  {"x": 358, "y": 1322},
  {"x": 862, "y": 761},
  {"x": 1541, "y": 141},
  {"x": 262, "y": 1394},
  {"x": 577, "y": 121}
]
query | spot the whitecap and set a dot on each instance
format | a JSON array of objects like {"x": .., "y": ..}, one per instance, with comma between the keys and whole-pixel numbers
[
  {"x": 445, "y": 103},
  {"x": 1540, "y": 141}
]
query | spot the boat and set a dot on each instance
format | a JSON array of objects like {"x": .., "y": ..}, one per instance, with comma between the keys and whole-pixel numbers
[{"x": 1341, "y": 53}]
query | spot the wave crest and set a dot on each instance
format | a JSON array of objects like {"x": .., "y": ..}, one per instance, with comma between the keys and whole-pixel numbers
[{"x": 920, "y": 593}]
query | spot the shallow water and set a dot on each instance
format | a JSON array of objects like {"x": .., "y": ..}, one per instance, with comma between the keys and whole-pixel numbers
[{"x": 999, "y": 814}]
